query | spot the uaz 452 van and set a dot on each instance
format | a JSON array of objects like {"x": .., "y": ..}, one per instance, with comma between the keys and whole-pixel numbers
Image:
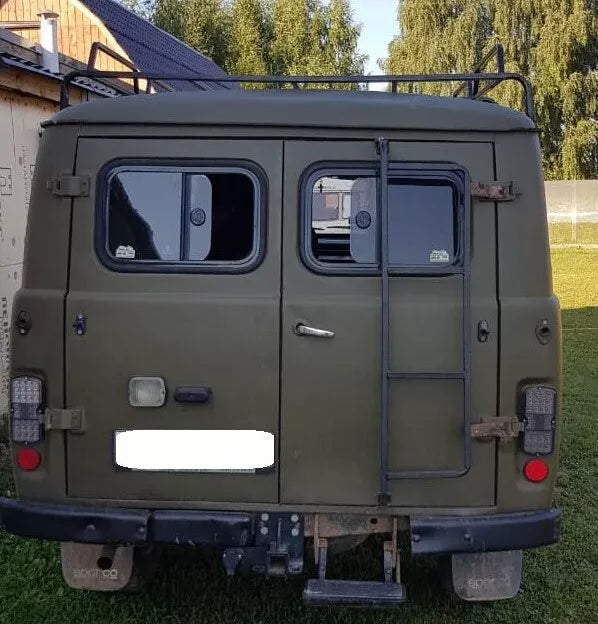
[{"x": 279, "y": 321}]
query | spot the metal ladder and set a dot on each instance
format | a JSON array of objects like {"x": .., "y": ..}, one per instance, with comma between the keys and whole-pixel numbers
[{"x": 463, "y": 268}]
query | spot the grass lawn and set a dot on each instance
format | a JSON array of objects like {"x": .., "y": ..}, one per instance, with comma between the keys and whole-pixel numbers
[
  {"x": 560, "y": 583},
  {"x": 569, "y": 233}
]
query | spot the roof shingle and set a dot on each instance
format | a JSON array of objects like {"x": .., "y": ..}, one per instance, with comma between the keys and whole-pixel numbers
[{"x": 154, "y": 50}]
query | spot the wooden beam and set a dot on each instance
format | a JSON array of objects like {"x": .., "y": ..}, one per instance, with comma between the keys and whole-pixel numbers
[{"x": 20, "y": 25}]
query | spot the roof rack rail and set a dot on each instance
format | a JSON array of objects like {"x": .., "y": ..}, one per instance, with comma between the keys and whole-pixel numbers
[
  {"x": 491, "y": 80},
  {"x": 98, "y": 46},
  {"x": 473, "y": 86}
]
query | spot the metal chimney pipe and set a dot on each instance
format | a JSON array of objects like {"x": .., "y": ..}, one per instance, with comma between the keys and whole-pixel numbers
[{"x": 49, "y": 39}]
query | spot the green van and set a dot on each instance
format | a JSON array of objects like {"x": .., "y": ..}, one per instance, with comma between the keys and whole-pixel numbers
[{"x": 279, "y": 321}]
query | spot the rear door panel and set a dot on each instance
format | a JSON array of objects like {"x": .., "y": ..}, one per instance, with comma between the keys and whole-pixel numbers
[
  {"x": 331, "y": 388},
  {"x": 220, "y": 331}
]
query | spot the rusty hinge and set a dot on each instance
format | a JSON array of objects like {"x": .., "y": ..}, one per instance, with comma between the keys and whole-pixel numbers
[
  {"x": 502, "y": 427},
  {"x": 64, "y": 419},
  {"x": 66, "y": 185},
  {"x": 494, "y": 191}
]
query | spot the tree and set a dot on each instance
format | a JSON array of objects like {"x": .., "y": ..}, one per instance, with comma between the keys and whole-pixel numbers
[
  {"x": 342, "y": 40},
  {"x": 143, "y": 8},
  {"x": 202, "y": 24},
  {"x": 249, "y": 38},
  {"x": 281, "y": 37},
  {"x": 310, "y": 37},
  {"x": 169, "y": 15},
  {"x": 552, "y": 42},
  {"x": 292, "y": 38}
]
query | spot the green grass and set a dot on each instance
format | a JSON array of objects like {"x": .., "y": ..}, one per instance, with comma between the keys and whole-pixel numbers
[
  {"x": 559, "y": 583},
  {"x": 569, "y": 234}
]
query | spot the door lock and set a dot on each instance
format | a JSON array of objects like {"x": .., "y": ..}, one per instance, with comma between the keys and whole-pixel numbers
[{"x": 483, "y": 331}]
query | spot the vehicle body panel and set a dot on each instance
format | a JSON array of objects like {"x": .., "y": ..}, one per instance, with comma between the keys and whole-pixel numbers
[
  {"x": 219, "y": 331},
  {"x": 510, "y": 264}
]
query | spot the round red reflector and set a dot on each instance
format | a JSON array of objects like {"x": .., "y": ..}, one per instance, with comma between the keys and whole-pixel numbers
[
  {"x": 535, "y": 470},
  {"x": 28, "y": 459}
]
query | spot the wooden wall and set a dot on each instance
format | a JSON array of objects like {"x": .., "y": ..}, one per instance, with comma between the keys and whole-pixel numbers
[
  {"x": 20, "y": 118},
  {"x": 77, "y": 28}
]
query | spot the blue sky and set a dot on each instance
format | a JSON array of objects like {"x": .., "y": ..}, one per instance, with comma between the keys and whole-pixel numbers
[{"x": 379, "y": 26}]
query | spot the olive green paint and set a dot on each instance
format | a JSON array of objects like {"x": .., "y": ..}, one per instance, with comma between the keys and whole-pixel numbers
[{"x": 235, "y": 332}]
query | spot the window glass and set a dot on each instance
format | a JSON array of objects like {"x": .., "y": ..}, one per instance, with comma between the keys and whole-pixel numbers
[
  {"x": 343, "y": 219},
  {"x": 421, "y": 224},
  {"x": 182, "y": 216},
  {"x": 422, "y": 221},
  {"x": 144, "y": 220}
]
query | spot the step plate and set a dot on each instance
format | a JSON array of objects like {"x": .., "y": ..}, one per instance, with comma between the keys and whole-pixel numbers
[{"x": 322, "y": 592}]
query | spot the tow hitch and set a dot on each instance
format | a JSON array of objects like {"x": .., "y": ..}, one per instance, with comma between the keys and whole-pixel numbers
[{"x": 277, "y": 549}]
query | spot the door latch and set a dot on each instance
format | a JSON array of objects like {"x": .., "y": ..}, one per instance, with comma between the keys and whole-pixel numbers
[
  {"x": 494, "y": 191},
  {"x": 64, "y": 419},
  {"x": 497, "y": 427}
]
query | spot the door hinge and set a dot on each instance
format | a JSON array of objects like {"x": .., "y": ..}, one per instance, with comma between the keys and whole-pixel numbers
[
  {"x": 66, "y": 185},
  {"x": 503, "y": 427},
  {"x": 494, "y": 191},
  {"x": 64, "y": 419}
]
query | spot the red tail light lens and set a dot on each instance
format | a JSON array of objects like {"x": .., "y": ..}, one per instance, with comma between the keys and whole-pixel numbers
[
  {"x": 28, "y": 459},
  {"x": 535, "y": 470}
]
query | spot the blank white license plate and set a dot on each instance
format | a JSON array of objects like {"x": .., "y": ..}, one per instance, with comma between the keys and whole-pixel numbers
[{"x": 194, "y": 450}]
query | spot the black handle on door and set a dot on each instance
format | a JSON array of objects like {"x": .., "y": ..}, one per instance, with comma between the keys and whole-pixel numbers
[{"x": 193, "y": 394}]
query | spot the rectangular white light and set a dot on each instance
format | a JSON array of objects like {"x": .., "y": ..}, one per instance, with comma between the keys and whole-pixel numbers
[
  {"x": 194, "y": 450},
  {"x": 147, "y": 392}
]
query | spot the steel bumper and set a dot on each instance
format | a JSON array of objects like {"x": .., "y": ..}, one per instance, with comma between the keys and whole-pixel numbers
[
  {"x": 471, "y": 534},
  {"x": 104, "y": 525}
]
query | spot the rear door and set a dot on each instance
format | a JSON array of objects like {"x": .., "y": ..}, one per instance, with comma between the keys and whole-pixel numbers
[
  {"x": 441, "y": 285},
  {"x": 170, "y": 280}
]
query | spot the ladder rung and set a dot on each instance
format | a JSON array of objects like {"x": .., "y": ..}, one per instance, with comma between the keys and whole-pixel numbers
[{"x": 426, "y": 375}]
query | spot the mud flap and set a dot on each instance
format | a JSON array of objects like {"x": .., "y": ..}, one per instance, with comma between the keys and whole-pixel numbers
[
  {"x": 96, "y": 567},
  {"x": 487, "y": 576}
]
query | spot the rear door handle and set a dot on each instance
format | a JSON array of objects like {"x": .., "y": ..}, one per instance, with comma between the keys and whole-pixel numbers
[{"x": 304, "y": 330}]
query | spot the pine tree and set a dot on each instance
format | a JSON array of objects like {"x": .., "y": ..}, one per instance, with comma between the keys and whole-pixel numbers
[{"x": 552, "y": 42}]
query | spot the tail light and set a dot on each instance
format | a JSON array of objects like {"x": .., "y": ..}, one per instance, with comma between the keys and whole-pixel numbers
[
  {"x": 26, "y": 400},
  {"x": 536, "y": 470},
  {"x": 28, "y": 459},
  {"x": 539, "y": 420}
]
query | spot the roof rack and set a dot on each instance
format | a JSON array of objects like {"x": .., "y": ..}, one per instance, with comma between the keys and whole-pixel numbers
[{"x": 476, "y": 83}]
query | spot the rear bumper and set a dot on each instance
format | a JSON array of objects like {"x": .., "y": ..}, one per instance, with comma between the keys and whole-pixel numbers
[
  {"x": 515, "y": 531},
  {"x": 104, "y": 525}
]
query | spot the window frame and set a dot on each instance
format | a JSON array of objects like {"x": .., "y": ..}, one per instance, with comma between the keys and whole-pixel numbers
[
  {"x": 456, "y": 175},
  {"x": 122, "y": 265}
]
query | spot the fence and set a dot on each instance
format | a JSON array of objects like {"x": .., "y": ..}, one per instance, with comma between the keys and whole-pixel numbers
[{"x": 572, "y": 207}]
